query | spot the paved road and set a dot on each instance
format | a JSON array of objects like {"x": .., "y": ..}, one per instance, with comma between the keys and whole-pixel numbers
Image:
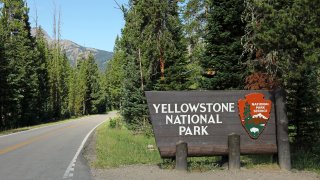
[{"x": 47, "y": 153}]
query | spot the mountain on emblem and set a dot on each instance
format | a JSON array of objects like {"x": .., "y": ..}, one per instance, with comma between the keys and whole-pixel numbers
[
  {"x": 259, "y": 116},
  {"x": 254, "y": 113}
]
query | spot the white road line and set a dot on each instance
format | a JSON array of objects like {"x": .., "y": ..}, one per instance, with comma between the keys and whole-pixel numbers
[{"x": 70, "y": 169}]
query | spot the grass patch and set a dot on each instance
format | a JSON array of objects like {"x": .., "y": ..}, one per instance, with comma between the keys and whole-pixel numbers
[
  {"x": 14, "y": 130},
  {"x": 203, "y": 164},
  {"x": 252, "y": 161},
  {"x": 305, "y": 160},
  {"x": 119, "y": 146},
  {"x": 195, "y": 164},
  {"x": 300, "y": 159},
  {"x": 6, "y": 132}
]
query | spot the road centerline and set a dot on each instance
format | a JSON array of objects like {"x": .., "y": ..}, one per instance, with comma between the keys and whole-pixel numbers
[
  {"x": 34, "y": 139},
  {"x": 46, "y": 153}
]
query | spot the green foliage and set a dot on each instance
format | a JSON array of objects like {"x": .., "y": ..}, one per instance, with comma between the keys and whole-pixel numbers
[
  {"x": 223, "y": 48},
  {"x": 194, "y": 18},
  {"x": 151, "y": 55},
  {"x": 283, "y": 39},
  {"x": 116, "y": 123},
  {"x": 160, "y": 49},
  {"x": 85, "y": 88},
  {"x": 114, "y": 77},
  {"x": 37, "y": 83},
  {"x": 4, "y": 72},
  {"x": 306, "y": 160},
  {"x": 134, "y": 108},
  {"x": 195, "y": 164},
  {"x": 58, "y": 72},
  {"x": 252, "y": 161},
  {"x": 39, "y": 125},
  {"x": 247, "y": 113},
  {"x": 21, "y": 83},
  {"x": 203, "y": 164},
  {"x": 121, "y": 147},
  {"x": 43, "y": 75},
  {"x": 167, "y": 163}
]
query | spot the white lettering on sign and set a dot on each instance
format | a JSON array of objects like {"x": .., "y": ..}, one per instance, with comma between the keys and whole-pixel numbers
[
  {"x": 193, "y": 118},
  {"x": 156, "y": 107},
  {"x": 195, "y": 130}
]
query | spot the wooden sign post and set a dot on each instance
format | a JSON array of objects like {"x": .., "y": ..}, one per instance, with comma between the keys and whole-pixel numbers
[
  {"x": 203, "y": 120},
  {"x": 234, "y": 151},
  {"x": 284, "y": 158}
]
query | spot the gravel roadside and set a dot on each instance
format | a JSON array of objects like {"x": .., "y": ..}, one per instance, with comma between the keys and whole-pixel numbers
[{"x": 147, "y": 172}]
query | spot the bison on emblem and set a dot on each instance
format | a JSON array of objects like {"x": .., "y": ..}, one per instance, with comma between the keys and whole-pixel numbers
[{"x": 254, "y": 113}]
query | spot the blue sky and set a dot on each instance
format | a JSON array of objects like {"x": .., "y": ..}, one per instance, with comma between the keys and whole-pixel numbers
[{"x": 94, "y": 23}]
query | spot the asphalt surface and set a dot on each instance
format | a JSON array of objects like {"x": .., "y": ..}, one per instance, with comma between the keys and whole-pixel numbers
[{"x": 52, "y": 152}]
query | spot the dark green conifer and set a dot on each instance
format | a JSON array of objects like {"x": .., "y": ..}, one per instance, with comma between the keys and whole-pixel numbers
[
  {"x": 20, "y": 57},
  {"x": 283, "y": 37},
  {"x": 223, "y": 50}
]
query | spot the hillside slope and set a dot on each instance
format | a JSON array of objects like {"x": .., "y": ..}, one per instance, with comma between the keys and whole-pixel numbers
[{"x": 74, "y": 51}]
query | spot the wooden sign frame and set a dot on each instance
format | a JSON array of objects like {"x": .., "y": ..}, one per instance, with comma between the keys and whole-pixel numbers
[{"x": 204, "y": 119}]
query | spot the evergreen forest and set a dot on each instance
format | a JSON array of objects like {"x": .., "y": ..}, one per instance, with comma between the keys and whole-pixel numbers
[{"x": 167, "y": 45}]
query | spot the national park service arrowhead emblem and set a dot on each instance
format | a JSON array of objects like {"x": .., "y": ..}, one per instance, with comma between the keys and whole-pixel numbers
[{"x": 254, "y": 113}]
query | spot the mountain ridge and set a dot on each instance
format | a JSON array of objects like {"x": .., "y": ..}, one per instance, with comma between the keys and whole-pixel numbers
[{"x": 74, "y": 50}]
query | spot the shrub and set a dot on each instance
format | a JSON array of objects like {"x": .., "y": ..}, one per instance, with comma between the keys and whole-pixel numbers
[{"x": 116, "y": 123}]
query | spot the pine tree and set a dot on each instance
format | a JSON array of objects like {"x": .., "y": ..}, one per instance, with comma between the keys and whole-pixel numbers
[
  {"x": 85, "y": 88},
  {"x": 99, "y": 95},
  {"x": 72, "y": 90},
  {"x": 134, "y": 106},
  {"x": 163, "y": 49},
  {"x": 42, "y": 73},
  {"x": 20, "y": 56},
  {"x": 283, "y": 40},
  {"x": 114, "y": 75},
  {"x": 247, "y": 113},
  {"x": 195, "y": 15},
  {"x": 223, "y": 48},
  {"x": 77, "y": 88},
  {"x": 152, "y": 42},
  {"x": 4, "y": 86},
  {"x": 58, "y": 72},
  {"x": 93, "y": 85}
]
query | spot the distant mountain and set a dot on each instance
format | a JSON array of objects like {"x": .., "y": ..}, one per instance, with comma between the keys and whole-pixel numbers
[{"x": 74, "y": 51}]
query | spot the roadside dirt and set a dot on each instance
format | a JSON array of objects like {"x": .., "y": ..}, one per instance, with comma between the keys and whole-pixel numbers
[
  {"x": 153, "y": 172},
  {"x": 89, "y": 150},
  {"x": 145, "y": 172}
]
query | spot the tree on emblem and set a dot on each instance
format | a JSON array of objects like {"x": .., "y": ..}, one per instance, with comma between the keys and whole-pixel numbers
[
  {"x": 254, "y": 113},
  {"x": 247, "y": 113}
]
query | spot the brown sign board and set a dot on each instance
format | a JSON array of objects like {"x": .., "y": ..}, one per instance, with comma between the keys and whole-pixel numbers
[{"x": 204, "y": 119}]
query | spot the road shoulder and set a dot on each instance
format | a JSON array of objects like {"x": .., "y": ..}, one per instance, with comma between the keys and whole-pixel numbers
[{"x": 153, "y": 172}]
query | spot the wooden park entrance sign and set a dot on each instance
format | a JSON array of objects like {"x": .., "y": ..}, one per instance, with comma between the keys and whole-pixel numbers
[{"x": 206, "y": 120}]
